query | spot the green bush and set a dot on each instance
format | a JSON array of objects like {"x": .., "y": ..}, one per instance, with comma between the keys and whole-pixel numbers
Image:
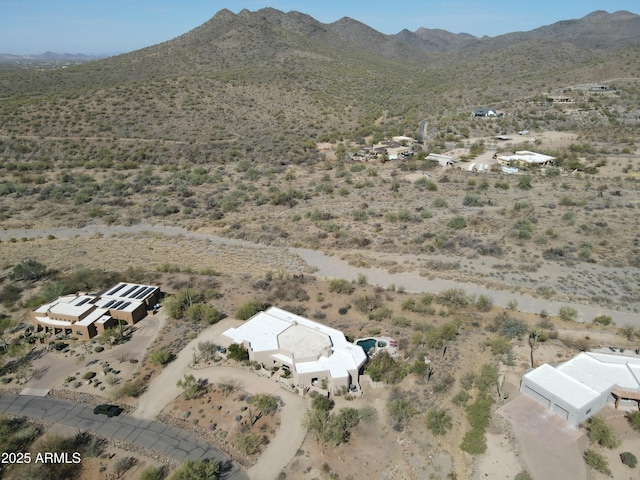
[
  {"x": 597, "y": 461},
  {"x": 568, "y": 314},
  {"x": 130, "y": 389},
  {"x": 237, "y": 352},
  {"x": 629, "y": 459},
  {"x": 89, "y": 375},
  {"x": 634, "y": 420},
  {"x": 438, "y": 421},
  {"x": 98, "y": 348},
  {"x": 249, "y": 309},
  {"x": 458, "y": 222},
  {"x": 160, "y": 357},
  {"x": 605, "y": 320},
  {"x": 601, "y": 433},
  {"x": 340, "y": 285}
]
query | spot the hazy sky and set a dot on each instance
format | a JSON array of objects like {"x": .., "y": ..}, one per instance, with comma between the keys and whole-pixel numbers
[{"x": 117, "y": 26}]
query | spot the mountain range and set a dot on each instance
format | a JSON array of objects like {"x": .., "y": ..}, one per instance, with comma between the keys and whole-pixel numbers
[{"x": 270, "y": 84}]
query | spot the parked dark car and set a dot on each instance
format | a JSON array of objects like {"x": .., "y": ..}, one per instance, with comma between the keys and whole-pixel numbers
[{"x": 108, "y": 410}]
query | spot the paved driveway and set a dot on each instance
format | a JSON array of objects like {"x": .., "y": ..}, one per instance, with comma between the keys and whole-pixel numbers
[
  {"x": 551, "y": 447},
  {"x": 172, "y": 442}
]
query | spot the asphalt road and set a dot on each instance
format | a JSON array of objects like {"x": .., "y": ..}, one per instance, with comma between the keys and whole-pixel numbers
[{"x": 164, "y": 439}]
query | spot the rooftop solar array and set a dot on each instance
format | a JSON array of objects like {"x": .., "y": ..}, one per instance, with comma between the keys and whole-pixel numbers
[{"x": 130, "y": 291}]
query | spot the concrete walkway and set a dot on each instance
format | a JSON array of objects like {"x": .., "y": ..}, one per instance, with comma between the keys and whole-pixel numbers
[{"x": 164, "y": 439}]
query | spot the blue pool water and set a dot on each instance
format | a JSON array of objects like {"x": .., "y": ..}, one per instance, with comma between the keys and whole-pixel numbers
[{"x": 367, "y": 344}]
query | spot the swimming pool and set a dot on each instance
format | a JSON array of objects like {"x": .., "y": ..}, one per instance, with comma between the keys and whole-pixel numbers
[{"x": 367, "y": 344}]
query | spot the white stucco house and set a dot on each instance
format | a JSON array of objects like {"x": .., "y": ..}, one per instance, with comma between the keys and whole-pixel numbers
[
  {"x": 579, "y": 388},
  {"x": 314, "y": 353},
  {"x": 526, "y": 158}
]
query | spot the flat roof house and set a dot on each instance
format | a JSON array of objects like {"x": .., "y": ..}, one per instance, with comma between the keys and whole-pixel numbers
[
  {"x": 579, "y": 388},
  {"x": 89, "y": 315},
  {"x": 525, "y": 158},
  {"x": 309, "y": 350}
]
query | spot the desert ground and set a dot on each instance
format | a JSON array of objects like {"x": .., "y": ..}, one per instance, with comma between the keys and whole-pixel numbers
[{"x": 521, "y": 283}]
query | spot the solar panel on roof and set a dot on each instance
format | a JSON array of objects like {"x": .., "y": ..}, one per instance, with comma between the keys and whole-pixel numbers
[
  {"x": 126, "y": 294},
  {"x": 118, "y": 288},
  {"x": 144, "y": 293},
  {"x": 109, "y": 303},
  {"x": 82, "y": 302},
  {"x": 117, "y": 304},
  {"x": 124, "y": 305},
  {"x": 136, "y": 292}
]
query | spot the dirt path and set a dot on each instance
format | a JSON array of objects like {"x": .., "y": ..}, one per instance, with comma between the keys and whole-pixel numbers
[
  {"x": 163, "y": 390},
  {"x": 334, "y": 267}
]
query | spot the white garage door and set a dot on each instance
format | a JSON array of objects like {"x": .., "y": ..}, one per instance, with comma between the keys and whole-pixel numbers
[
  {"x": 558, "y": 410},
  {"x": 536, "y": 396}
]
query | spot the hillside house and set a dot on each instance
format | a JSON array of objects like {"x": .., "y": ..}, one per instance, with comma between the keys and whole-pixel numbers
[
  {"x": 484, "y": 112},
  {"x": 313, "y": 353},
  {"x": 89, "y": 315},
  {"x": 524, "y": 158},
  {"x": 579, "y": 388}
]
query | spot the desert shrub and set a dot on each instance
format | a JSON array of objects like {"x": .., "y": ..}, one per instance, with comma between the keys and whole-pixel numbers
[
  {"x": 523, "y": 476},
  {"x": 634, "y": 420},
  {"x": 237, "y": 352},
  {"x": 152, "y": 473},
  {"x": 597, "y": 461},
  {"x": 340, "y": 285},
  {"x": 512, "y": 328},
  {"x": 249, "y": 309},
  {"x": 461, "y": 398},
  {"x": 605, "y": 320},
  {"x": 629, "y": 459},
  {"x": 439, "y": 202},
  {"x": 384, "y": 368},
  {"x": 401, "y": 408},
  {"x": 203, "y": 312},
  {"x": 248, "y": 443},
  {"x": 484, "y": 303},
  {"x": 367, "y": 303},
  {"x": 196, "y": 470},
  {"x": 524, "y": 182},
  {"x": 98, "y": 348},
  {"x": 130, "y": 389},
  {"x": 89, "y": 375},
  {"x": 568, "y": 314},
  {"x": 500, "y": 345},
  {"x": 457, "y": 223},
  {"x": 471, "y": 200},
  {"x": 422, "y": 305},
  {"x": 160, "y": 357},
  {"x": 380, "y": 313},
  {"x": 438, "y": 421},
  {"x": 453, "y": 297},
  {"x": 438, "y": 337},
  {"x": 601, "y": 433},
  {"x": 28, "y": 269}
]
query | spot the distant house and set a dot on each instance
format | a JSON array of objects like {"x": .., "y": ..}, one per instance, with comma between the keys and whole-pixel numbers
[
  {"x": 579, "y": 388},
  {"x": 524, "y": 158},
  {"x": 89, "y": 315},
  {"x": 442, "y": 160},
  {"x": 313, "y": 353},
  {"x": 484, "y": 112}
]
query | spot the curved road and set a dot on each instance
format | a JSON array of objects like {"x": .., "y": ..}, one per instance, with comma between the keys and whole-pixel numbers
[{"x": 164, "y": 439}]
